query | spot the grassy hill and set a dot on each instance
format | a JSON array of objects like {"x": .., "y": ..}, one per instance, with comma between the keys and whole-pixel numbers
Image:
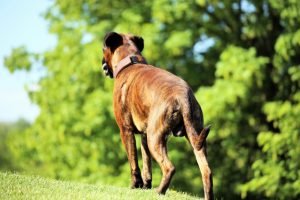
[{"x": 14, "y": 186}]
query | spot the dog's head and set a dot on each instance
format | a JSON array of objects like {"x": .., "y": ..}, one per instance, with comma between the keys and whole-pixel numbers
[{"x": 118, "y": 46}]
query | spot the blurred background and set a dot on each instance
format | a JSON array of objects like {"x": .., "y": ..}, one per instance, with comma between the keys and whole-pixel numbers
[{"x": 241, "y": 58}]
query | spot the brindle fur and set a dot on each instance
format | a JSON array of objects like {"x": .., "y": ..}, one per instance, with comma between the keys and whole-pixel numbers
[{"x": 154, "y": 103}]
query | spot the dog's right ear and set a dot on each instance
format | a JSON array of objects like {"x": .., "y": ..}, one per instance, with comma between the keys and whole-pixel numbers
[
  {"x": 139, "y": 42},
  {"x": 113, "y": 40}
]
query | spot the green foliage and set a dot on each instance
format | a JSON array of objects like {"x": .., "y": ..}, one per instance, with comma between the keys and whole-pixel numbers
[
  {"x": 6, "y": 130},
  {"x": 244, "y": 55},
  {"x": 229, "y": 105},
  {"x": 14, "y": 186},
  {"x": 19, "y": 59},
  {"x": 277, "y": 172}
]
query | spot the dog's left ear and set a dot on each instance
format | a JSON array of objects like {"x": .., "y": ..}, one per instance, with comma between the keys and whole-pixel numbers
[
  {"x": 139, "y": 42},
  {"x": 113, "y": 40}
]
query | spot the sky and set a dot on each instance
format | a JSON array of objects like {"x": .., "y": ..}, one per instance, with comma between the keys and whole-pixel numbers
[{"x": 21, "y": 24}]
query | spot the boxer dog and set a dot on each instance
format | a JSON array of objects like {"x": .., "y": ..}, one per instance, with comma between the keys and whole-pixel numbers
[{"x": 154, "y": 103}]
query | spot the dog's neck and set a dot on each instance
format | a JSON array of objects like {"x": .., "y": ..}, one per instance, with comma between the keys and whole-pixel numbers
[{"x": 128, "y": 61}]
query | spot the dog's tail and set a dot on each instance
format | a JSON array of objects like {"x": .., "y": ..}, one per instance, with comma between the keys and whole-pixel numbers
[
  {"x": 195, "y": 131},
  {"x": 197, "y": 139},
  {"x": 202, "y": 137}
]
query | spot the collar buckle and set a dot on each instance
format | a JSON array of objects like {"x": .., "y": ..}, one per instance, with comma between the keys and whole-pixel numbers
[{"x": 134, "y": 59}]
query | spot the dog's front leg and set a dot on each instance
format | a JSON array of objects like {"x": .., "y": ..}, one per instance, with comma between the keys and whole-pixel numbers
[{"x": 129, "y": 143}]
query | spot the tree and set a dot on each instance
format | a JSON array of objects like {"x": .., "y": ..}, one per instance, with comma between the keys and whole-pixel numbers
[
  {"x": 276, "y": 171},
  {"x": 6, "y": 130},
  {"x": 243, "y": 53}
]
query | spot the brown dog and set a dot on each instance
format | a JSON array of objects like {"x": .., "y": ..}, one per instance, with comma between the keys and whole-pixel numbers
[{"x": 154, "y": 103}]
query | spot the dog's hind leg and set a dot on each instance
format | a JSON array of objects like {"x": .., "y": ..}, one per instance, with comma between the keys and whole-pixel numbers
[
  {"x": 205, "y": 172},
  {"x": 196, "y": 135},
  {"x": 147, "y": 171},
  {"x": 157, "y": 146},
  {"x": 199, "y": 147}
]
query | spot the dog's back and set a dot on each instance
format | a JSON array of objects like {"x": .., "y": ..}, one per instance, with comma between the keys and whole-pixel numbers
[{"x": 154, "y": 96}]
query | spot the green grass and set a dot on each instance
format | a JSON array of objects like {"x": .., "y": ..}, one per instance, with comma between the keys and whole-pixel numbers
[{"x": 14, "y": 186}]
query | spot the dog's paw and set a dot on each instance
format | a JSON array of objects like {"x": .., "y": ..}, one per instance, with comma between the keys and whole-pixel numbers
[
  {"x": 160, "y": 191},
  {"x": 137, "y": 183},
  {"x": 147, "y": 184}
]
